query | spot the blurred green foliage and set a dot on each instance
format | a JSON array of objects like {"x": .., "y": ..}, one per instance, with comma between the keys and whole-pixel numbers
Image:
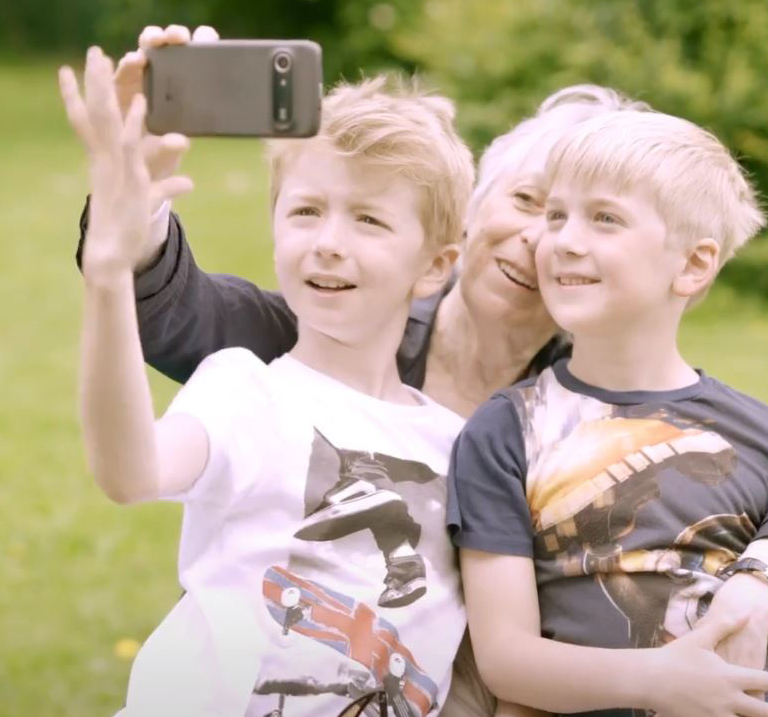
[{"x": 704, "y": 60}]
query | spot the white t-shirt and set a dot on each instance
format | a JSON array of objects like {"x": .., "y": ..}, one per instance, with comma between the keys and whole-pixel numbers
[{"x": 313, "y": 552}]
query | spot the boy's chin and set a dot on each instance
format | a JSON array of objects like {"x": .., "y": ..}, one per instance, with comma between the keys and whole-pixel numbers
[{"x": 582, "y": 324}]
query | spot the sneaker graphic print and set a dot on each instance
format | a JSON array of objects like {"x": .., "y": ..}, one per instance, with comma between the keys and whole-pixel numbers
[
  {"x": 359, "y": 501},
  {"x": 344, "y": 625}
]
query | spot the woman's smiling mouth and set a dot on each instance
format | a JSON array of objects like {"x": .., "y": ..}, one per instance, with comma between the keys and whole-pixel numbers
[{"x": 517, "y": 275}]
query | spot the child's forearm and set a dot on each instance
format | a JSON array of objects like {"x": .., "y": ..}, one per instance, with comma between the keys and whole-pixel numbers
[
  {"x": 115, "y": 401},
  {"x": 559, "y": 677}
]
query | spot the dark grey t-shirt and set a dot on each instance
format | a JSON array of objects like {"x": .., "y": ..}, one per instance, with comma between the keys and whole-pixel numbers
[{"x": 631, "y": 504}]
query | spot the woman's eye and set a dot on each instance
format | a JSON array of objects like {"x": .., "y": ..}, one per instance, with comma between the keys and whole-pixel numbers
[{"x": 526, "y": 201}]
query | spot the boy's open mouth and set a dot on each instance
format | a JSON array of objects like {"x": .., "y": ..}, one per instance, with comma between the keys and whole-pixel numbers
[
  {"x": 329, "y": 284},
  {"x": 516, "y": 276}
]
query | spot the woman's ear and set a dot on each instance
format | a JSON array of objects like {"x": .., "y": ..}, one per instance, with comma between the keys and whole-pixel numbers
[
  {"x": 437, "y": 272},
  {"x": 700, "y": 269}
]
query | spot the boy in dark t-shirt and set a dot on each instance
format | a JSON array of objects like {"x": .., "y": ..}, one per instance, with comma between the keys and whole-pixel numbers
[{"x": 621, "y": 485}]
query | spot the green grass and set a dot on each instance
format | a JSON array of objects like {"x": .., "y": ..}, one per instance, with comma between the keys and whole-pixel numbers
[{"x": 78, "y": 573}]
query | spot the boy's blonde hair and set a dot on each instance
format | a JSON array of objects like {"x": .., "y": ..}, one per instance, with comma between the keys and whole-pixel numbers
[
  {"x": 698, "y": 188},
  {"x": 394, "y": 125}
]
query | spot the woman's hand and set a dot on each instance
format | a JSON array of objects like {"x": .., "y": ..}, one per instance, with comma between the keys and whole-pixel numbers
[
  {"x": 693, "y": 680},
  {"x": 123, "y": 192},
  {"x": 163, "y": 154},
  {"x": 747, "y": 646}
]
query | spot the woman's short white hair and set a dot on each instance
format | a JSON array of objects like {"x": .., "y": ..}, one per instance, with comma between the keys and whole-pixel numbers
[
  {"x": 557, "y": 114},
  {"x": 698, "y": 188}
]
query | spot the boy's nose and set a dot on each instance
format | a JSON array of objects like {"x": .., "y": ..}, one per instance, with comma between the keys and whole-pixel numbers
[
  {"x": 568, "y": 239},
  {"x": 329, "y": 241}
]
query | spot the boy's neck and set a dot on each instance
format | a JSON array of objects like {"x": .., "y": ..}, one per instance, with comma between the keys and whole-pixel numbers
[
  {"x": 369, "y": 367},
  {"x": 631, "y": 361}
]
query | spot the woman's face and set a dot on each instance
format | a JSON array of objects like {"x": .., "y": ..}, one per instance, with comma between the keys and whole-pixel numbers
[{"x": 498, "y": 280}]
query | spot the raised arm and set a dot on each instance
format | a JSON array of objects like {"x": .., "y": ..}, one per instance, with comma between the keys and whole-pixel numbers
[
  {"x": 132, "y": 458},
  {"x": 184, "y": 313}
]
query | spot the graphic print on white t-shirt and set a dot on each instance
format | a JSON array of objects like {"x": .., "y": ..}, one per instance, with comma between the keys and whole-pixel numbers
[
  {"x": 313, "y": 554},
  {"x": 356, "y": 500}
]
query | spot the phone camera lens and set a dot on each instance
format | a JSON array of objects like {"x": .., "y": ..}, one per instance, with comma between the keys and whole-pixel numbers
[{"x": 282, "y": 62}]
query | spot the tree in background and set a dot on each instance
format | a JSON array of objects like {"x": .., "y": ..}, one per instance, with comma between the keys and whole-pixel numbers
[{"x": 704, "y": 60}]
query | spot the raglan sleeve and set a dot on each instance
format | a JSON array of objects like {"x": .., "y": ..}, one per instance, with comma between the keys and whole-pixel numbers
[{"x": 487, "y": 506}]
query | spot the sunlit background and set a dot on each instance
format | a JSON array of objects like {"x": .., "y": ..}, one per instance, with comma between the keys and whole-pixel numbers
[{"x": 83, "y": 582}]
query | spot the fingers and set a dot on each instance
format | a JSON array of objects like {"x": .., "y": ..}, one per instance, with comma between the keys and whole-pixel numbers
[
  {"x": 751, "y": 707},
  {"x": 136, "y": 175},
  {"x": 163, "y": 154},
  {"x": 155, "y": 36},
  {"x": 131, "y": 65},
  {"x": 752, "y": 680},
  {"x": 134, "y": 120},
  {"x": 101, "y": 99},
  {"x": 712, "y": 630},
  {"x": 129, "y": 78},
  {"x": 169, "y": 188},
  {"x": 151, "y": 36},
  {"x": 74, "y": 106},
  {"x": 177, "y": 35},
  {"x": 205, "y": 33}
]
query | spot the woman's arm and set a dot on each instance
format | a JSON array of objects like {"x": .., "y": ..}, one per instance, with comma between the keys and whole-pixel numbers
[
  {"x": 745, "y": 593},
  {"x": 683, "y": 679}
]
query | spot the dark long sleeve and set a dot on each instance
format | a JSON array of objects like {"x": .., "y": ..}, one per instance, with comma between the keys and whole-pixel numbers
[{"x": 185, "y": 314}]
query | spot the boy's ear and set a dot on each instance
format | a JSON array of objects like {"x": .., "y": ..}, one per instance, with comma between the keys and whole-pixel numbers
[
  {"x": 437, "y": 272},
  {"x": 699, "y": 270}
]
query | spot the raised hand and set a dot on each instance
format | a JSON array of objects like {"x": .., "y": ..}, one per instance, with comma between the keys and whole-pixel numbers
[{"x": 124, "y": 194}]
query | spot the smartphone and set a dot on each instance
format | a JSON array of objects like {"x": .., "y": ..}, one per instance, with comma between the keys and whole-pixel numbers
[{"x": 256, "y": 88}]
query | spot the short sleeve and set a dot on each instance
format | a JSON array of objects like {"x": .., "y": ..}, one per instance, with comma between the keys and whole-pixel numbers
[
  {"x": 230, "y": 394},
  {"x": 487, "y": 508}
]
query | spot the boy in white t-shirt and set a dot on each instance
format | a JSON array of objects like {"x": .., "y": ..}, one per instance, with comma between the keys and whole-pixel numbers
[{"x": 313, "y": 554}]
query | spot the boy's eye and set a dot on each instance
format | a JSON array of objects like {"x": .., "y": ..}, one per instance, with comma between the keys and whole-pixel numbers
[
  {"x": 305, "y": 212},
  {"x": 606, "y": 218},
  {"x": 555, "y": 215},
  {"x": 368, "y": 219}
]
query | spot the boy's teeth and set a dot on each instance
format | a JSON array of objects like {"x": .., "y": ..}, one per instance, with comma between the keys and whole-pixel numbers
[
  {"x": 575, "y": 281},
  {"x": 511, "y": 272},
  {"x": 330, "y": 284}
]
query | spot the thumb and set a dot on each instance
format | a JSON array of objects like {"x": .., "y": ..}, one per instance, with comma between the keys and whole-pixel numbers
[
  {"x": 713, "y": 629},
  {"x": 170, "y": 188}
]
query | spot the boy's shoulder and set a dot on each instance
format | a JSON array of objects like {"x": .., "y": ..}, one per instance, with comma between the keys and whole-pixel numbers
[
  {"x": 235, "y": 358},
  {"x": 731, "y": 406}
]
